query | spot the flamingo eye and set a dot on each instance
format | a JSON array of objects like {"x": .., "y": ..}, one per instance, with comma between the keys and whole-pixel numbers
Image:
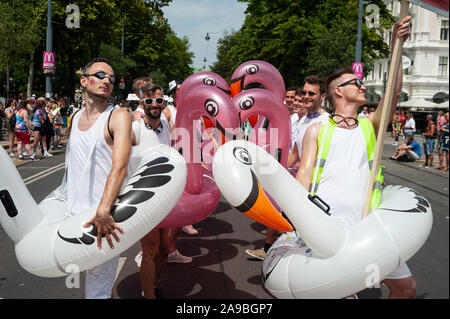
[
  {"x": 211, "y": 107},
  {"x": 209, "y": 81},
  {"x": 242, "y": 155},
  {"x": 252, "y": 69},
  {"x": 247, "y": 103}
]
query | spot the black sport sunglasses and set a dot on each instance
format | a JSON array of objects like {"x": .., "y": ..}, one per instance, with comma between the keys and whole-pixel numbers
[
  {"x": 357, "y": 81},
  {"x": 101, "y": 75}
]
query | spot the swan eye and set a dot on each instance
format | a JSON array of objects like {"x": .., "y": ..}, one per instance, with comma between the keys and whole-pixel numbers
[
  {"x": 209, "y": 81},
  {"x": 247, "y": 103},
  {"x": 242, "y": 155},
  {"x": 211, "y": 107},
  {"x": 252, "y": 69}
]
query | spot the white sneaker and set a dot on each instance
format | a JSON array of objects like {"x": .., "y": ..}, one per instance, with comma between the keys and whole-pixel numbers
[
  {"x": 33, "y": 158},
  {"x": 12, "y": 154},
  {"x": 47, "y": 154},
  {"x": 25, "y": 154},
  {"x": 176, "y": 257},
  {"x": 190, "y": 230},
  {"x": 138, "y": 259}
]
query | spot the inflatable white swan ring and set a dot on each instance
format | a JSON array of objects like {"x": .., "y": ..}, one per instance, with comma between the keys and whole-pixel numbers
[
  {"x": 47, "y": 240},
  {"x": 329, "y": 261}
]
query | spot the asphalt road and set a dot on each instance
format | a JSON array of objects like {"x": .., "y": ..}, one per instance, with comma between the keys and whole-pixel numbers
[{"x": 221, "y": 269}]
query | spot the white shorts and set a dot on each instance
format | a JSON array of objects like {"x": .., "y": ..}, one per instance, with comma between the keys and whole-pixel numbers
[
  {"x": 401, "y": 272},
  {"x": 413, "y": 155},
  {"x": 100, "y": 280}
]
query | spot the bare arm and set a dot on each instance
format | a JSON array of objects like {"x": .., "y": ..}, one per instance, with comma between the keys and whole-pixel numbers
[
  {"x": 308, "y": 157},
  {"x": 168, "y": 115},
  {"x": 25, "y": 119},
  {"x": 120, "y": 126},
  {"x": 430, "y": 131},
  {"x": 401, "y": 29},
  {"x": 293, "y": 156}
]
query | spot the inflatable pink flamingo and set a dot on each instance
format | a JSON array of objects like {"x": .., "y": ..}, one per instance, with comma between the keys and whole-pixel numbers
[
  {"x": 257, "y": 72},
  {"x": 202, "y": 78},
  {"x": 201, "y": 195},
  {"x": 261, "y": 72},
  {"x": 263, "y": 102},
  {"x": 196, "y": 80}
]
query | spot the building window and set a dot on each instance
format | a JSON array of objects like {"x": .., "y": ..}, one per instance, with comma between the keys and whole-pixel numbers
[
  {"x": 444, "y": 30},
  {"x": 443, "y": 66}
]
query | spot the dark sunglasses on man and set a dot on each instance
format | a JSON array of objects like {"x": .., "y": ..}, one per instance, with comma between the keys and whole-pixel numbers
[
  {"x": 354, "y": 81},
  {"x": 158, "y": 101},
  {"x": 310, "y": 93},
  {"x": 102, "y": 75}
]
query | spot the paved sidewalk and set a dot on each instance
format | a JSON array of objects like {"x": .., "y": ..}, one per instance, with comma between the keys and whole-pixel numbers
[
  {"x": 389, "y": 150},
  {"x": 5, "y": 144}
]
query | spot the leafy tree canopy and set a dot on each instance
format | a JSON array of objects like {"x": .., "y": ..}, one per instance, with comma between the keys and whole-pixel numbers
[
  {"x": 303, "y": 37},
  {"x": 150, "y": 45}
]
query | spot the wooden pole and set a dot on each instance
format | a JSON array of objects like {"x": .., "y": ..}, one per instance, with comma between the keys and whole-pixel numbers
[{"x": 386, "y": 109}]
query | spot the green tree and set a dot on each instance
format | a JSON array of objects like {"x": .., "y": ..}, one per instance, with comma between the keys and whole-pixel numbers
[
  {"x": 19, "y": 35},
  {"x": 302, "y": 37},
  {"x": 150, "y": 43}
]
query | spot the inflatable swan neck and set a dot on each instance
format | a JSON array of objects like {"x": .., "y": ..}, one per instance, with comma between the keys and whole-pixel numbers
[
  {"x": 19, "y": 212},
  {"x": 231, "y": 166}
]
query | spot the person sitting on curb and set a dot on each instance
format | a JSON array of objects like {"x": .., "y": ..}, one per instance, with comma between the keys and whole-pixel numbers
[{"x": 410, "y": 151}]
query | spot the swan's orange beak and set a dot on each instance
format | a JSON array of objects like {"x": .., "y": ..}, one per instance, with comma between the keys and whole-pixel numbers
[{"x": 259, "y": 208}]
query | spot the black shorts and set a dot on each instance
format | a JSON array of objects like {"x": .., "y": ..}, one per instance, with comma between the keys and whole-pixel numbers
[{"x": 36, "y": 129}]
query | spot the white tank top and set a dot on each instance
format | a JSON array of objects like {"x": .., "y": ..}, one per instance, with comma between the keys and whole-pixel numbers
[
  {"x": 345, "y": 176},
  {"x": 173, "y": 113},
  {"x": 163, "y": 132},
  {"x": 86, "y": 189},
  {"x": 302, "y": 125}
]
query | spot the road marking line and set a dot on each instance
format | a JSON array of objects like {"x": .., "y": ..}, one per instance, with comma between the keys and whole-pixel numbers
[{"x": 43, "y": 174}]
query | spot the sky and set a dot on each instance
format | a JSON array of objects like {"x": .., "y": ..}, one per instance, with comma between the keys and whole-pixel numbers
[{"x": 195, "y": 18}]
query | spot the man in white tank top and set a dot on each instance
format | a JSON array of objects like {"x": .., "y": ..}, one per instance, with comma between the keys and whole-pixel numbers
[
  {"x": 159, "y": 242},
  {"x": 346, "y": 170},
  {"x": 101, "y": 142}
]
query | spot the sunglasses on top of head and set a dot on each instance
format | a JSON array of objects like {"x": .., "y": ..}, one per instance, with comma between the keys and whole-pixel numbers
[
  {"x": 102, "y": 75},
  {"x": 149, "y": 101},
  {"x": 354, "y": 81}
]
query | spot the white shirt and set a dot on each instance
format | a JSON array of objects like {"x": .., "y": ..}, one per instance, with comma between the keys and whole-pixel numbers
[
  {"x": 410, "y": 123},
  {"x": 303, "y": 125},
  {"x": 362, "y": 114},
  {"x": 173, "y": 113},
  {"x": 294, "y": 125},
  {"x": 163, "y": 132}
]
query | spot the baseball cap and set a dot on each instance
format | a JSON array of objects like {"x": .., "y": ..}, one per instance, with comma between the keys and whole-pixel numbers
[{"x": 172, "y": 85}]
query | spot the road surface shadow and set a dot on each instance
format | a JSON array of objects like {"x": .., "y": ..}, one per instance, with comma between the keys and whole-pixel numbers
[{"x": 186, "y": 281}]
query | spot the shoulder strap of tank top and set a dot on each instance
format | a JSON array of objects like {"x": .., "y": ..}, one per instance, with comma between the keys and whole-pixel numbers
[
  {"x": 107, "y": 126},
  {"x": 323, "y": 142}
]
